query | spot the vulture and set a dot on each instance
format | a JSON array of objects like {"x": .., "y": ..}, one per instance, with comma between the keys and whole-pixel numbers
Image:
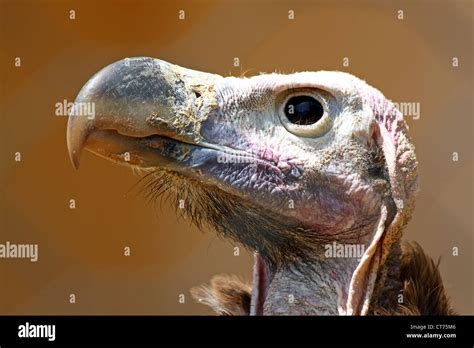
[{"x": 313, "y": 172}]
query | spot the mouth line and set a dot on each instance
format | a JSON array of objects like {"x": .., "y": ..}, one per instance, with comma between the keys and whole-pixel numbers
[{"x": 120, "y": 145}]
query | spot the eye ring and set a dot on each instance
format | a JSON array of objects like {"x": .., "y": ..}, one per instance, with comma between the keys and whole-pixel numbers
[{"x": 310, "y": 116}]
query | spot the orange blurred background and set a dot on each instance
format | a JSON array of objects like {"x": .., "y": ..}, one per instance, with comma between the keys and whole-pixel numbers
[{"x": 81, "y": 250}]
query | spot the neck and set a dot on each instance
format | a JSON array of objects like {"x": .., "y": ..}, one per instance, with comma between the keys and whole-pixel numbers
[
  {"x": 321, "y": 288},
  {"x": 316, "y": 289}
]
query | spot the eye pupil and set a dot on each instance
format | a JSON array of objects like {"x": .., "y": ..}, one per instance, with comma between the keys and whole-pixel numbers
[{"x": 303, "y": 110}]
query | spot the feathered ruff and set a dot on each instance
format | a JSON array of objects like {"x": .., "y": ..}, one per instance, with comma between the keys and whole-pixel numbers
[
  {"x": 226, "y": 295},
  {"x": 423, "y": 290}
]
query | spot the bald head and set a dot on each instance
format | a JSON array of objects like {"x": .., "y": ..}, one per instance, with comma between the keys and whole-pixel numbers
[{"x": 284, "y": 164}]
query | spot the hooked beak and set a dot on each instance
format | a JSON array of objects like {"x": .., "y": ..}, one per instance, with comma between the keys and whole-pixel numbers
[{"x": 143, "y": 112}]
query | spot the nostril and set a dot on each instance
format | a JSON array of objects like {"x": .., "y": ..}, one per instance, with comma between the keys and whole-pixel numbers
[{"x": 197, "y": 94}]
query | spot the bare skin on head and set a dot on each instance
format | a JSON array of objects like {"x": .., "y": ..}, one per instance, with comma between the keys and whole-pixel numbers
[{"x": 284, "y": 164}]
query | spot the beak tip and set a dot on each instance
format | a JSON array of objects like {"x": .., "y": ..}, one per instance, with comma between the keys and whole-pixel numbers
[
  {"x": 75, "y": 145},
  {"x": 78, "y": 131},
  {"x": 75, "y": 160}
]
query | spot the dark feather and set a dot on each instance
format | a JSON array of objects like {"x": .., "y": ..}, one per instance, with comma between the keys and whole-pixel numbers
[
  {"x": 423, "y": 289},
  {"x": 226, "y": 295}
]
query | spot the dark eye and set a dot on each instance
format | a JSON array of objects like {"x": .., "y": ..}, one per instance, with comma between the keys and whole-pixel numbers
[{"x": 303, "y": 110}]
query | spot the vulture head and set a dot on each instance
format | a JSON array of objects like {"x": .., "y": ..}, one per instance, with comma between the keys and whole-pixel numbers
[{"x": 294, "y": 167}]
